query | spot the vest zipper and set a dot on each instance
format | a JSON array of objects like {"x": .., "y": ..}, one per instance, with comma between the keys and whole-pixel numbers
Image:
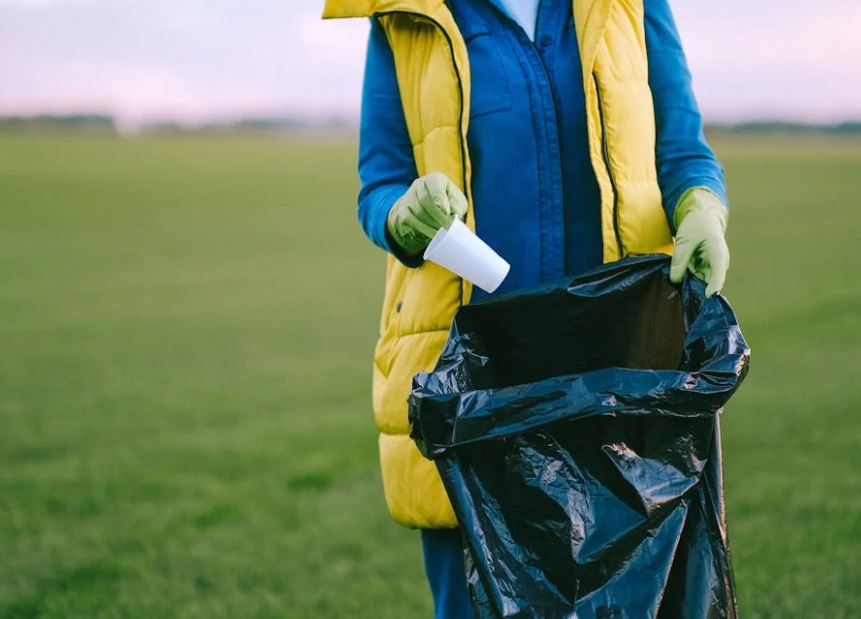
[{"x": 605, "y": 150}]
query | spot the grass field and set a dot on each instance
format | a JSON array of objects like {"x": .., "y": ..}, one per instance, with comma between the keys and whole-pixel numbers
[{"x": 186, "y": 329}]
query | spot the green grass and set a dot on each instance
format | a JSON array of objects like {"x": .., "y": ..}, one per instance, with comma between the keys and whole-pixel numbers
[{"x": 186, "y": 330}]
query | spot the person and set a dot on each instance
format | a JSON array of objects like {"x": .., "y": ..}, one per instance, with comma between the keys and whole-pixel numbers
[{"x": 566, "y": 134}]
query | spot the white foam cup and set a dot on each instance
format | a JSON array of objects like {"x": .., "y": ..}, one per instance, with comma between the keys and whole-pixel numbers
[{"x": 459, "y": 250}]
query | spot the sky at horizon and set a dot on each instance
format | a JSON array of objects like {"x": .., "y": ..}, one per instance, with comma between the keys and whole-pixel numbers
[{"x": 197, "y": 60}]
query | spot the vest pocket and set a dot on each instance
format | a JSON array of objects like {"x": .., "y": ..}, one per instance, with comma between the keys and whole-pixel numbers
[{"x": 489, "y": 89}]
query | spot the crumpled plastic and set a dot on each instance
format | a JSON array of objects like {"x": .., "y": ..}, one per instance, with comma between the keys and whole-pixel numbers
[{"x": 576, "y": 430}]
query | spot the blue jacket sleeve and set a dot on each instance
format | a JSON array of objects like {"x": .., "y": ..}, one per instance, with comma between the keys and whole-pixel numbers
[
  {"x": 386, "y": 163},
  {"x": 684, "y": 159}
]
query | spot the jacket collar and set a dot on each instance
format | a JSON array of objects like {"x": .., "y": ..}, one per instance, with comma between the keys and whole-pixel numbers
[
  {"x": 366, "y": 8},
  {"x": 590, "y": 18}
]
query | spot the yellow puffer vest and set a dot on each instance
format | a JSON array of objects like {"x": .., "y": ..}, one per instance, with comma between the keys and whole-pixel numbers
[{"x": 419, "y": 304}]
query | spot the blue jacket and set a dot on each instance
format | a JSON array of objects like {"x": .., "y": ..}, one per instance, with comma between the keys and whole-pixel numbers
[{"x": 535, "y": 195}]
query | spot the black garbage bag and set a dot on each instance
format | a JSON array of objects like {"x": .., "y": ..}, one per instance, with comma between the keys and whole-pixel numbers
[{"x": 575, "y": 427}]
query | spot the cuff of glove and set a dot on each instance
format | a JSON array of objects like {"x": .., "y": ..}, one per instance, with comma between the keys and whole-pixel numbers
[
  {"x": 408, "y": 260},
  {"x": 700, "y": 199}
]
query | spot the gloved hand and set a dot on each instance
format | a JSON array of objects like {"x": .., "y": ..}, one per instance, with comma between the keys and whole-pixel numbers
[
  {"x": 700, "y": 222},
  {"x": 432, "y": 202}
]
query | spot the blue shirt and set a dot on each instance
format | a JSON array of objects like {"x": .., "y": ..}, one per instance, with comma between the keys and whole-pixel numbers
[{"x": 535, "y": 195}]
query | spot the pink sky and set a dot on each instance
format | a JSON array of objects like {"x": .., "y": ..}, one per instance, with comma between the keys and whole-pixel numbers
[{"x": 195, "y": 59}]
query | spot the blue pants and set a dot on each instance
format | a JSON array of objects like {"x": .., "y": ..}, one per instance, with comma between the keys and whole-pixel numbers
[{"x": 443, "y": 552}]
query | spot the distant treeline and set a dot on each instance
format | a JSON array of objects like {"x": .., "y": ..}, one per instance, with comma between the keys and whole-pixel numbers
[
  {"x": 98, "y": 123},
  {"x": 780, "y": 127},
  {"x": 266, "y": 125},
  {"x": 105, "y": 123}
]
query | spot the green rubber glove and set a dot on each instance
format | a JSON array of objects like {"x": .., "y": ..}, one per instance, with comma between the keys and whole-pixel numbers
[
  {"x": 432, "y": 202},
  {"x": 700, "y": 247}
]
